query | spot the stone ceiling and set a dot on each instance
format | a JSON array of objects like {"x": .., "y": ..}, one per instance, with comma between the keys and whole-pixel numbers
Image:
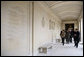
[{"x": 66, "y": 10}]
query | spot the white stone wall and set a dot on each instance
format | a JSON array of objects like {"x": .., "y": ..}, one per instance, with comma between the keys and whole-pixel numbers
[
  {"x": 16, "y": 27},
  {"x": 15, "y": 30},
  {"x": 42, "y": 34}
]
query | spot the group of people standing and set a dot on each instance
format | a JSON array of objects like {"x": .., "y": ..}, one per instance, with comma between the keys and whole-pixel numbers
[{"x": 68, "y": 35}]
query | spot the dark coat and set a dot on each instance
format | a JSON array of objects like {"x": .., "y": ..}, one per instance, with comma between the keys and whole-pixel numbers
[
  {"x": 77, "y": 35},
  {"x": 72, "y": 33}
]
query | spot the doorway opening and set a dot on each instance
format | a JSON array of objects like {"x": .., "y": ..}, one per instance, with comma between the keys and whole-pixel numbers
[{"x": 71, "y": 26}]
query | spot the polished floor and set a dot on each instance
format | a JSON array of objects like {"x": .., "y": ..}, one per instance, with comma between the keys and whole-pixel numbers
[{"x": 66, "y": 50}]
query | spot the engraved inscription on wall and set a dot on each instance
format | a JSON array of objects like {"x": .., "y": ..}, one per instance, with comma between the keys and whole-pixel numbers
[{"x": 15, "y": 24}]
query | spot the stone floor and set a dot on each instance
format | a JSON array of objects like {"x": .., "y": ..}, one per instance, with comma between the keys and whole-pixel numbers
[{"x": 67, "y": 50}]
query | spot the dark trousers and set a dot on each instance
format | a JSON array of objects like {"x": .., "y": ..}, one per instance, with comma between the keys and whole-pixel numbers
[
  {"x": 76, "y": 41},
  {"x": 67, "y": 40},
  {"x": 63, "y": 41},
  {"x": 70, "y": 39}
]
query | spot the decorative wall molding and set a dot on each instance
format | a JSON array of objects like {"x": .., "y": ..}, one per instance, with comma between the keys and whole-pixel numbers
[{"x": 43, "y": 22}]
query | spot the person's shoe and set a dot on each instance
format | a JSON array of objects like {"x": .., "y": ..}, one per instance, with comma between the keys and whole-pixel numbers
[
  {"x": 63, "y": 44},
  {"x": 76, "y": 46}
]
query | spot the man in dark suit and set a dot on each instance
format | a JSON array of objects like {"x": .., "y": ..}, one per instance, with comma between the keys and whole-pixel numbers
[{"x": 76, "y": 37}]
